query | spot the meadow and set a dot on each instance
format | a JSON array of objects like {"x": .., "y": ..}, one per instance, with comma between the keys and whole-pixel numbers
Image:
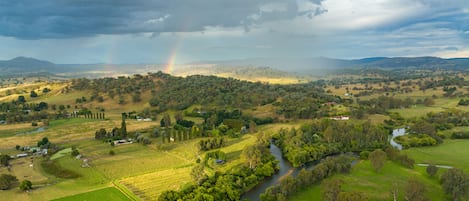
[
  {"x": 109, "y": 193},
  {"x": 377, "y": 186}
]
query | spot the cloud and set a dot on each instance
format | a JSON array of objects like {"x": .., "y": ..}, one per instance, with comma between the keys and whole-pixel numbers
[
  {"x": 147, "y": 30},
  {"x": 31, "y": 19}
]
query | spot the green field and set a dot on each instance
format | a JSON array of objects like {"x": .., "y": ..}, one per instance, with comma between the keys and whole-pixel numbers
[
  {"x": 377, "y": 186},
  {"x": 108, "y": 194},
  {"x": 451, "y": 152}
]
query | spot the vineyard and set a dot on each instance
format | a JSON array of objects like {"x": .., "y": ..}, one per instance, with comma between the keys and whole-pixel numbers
[{"x": 150, "y": 186}]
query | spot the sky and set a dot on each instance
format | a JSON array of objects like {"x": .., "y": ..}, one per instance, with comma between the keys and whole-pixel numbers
[{"x": 180, "y": 31}]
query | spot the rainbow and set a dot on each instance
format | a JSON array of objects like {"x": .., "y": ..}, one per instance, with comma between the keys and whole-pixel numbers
[{"x": 173, "y": 55}]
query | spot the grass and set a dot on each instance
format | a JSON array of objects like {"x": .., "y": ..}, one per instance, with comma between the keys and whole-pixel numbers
[
  {"x": 61, "y": 153},
  {"x": 52, "y": 168},
  {"x": 97, "y": 195},
  {"x": 451, "y": 152},
  {"x": 377, "y": 186},
  {"x": 22, "y": 169}
]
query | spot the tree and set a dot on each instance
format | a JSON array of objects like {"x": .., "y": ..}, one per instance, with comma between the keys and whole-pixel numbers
[
  {"x": 45, "y": 90},
  {"x": 331, "y": 189},
  {"x": 377, "y": 159},
  {"x": 21, "y": 99},
  {"x": 123, "y": 129},
  {"x": 33, "y": 94},
  {"x": 6, "y": 181},
  {"x": 4, "y": 159},
  {"x": 165, "y": 121},
  {"x": 432, "y": 170},
  {"x": 252, "y": 156},
  {"x": 428, "y": 102},
  {"x": 44, "y": 143},
  {"x": 415, "y": 191},
  {"x": 198, "y": 174},
  {"x": 75, "y": 151},
  {"x": 178, "y": 116},
  {"x": 26, "y": 185},
  {"x": 455, "y": 183}
]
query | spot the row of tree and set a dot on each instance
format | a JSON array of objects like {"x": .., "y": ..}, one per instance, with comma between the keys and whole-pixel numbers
[
  {"x": 290, "y": 184},
  {"x": 230, "y": 185}
]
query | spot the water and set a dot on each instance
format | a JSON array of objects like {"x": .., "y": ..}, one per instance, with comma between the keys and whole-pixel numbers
[
  {"x": 396, "y": 133},
  {"x": 285, "y": 169},
  {"x": 38, "y": 130}
]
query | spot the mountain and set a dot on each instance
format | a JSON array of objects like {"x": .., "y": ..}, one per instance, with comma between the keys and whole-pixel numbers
[
  {"x": 272, "y": 66},
  {"x": 321, "y": 65},
  {"x": 26, "y": 65}
]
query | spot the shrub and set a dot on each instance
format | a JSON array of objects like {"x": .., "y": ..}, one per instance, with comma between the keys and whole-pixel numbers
[
  {"x": 364, "y": 155},
  {"x": 26, "y": 185}
]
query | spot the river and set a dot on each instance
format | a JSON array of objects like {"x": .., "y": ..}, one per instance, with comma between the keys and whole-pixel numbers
[
  {"x": 287, "y": 169},
  {"x": 38, "y": 130},
  {"x": 396, "y": 133}
]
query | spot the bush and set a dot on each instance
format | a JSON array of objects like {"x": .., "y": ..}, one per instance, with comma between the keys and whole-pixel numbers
[
  {"x": 460, "y": 135},
  {"x": 33, "y": 123},
  {"x": 112, "y": 153},
  {"x": 75, "y": 152},
  {"x": 26, "y": 185},
  {"x": 432, "y": 170},
  {"x": 6, "y": 181},
  {"x": 364, "y": 155}
]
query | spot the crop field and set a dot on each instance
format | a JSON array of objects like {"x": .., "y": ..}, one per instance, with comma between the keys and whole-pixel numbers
[
  {"x": 150, "y": 186},
  {"x": 98, "y": 195}
]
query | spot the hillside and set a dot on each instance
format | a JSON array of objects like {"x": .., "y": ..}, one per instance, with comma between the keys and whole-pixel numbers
[{"x": 278, "y": 70}]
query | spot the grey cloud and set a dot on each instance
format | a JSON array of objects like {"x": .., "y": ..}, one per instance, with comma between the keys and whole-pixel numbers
[
  {"x": 32, "y": 19},
  {"x": 452, "y": 48}
]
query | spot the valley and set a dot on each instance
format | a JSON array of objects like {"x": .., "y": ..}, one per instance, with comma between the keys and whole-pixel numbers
[{"x": 162, "y": 160}]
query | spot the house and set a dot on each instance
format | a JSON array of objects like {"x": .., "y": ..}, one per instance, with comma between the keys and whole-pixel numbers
[
  {"x": 120, "y": 142},
  {"x": 340, "y": 118},
  {"x": 21, "y": 155}
]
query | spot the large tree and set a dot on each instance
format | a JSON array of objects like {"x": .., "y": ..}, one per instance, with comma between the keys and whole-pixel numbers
[
  {"x": 123, "y": 129},
  {"x": 331, "y": 189},
  {"x": 198, "y": 173},
  {"x": 6, "y": 181},
  {"x": 455, "y": 183},
  {"x": 4, "y": 159},
  {"x": 252, "y": 155},
  {"x": 415, "y": 191},
  {"x": 377, "y": 159},
  {"x": 432, "y": 170}
]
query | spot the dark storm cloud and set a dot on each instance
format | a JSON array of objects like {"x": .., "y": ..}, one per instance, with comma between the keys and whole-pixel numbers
[{"x": 33, "y": 19}]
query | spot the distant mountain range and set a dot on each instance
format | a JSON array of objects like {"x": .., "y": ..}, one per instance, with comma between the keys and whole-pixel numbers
[
  {"x": 25, "y": 64},
  {"x": 21, "y": 65},
  {"x": 309, "y": 65}
]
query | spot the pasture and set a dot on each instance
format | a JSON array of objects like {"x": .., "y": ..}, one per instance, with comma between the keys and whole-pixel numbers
[
  {"x": 97, "y": 195},
  {"x": 451, "y": 153},
  {"x": 377, "y": 186}
]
